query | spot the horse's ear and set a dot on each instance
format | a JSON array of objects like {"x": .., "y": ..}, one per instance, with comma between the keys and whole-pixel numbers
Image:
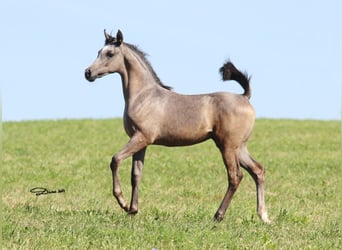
[
  {"x": 119, "y": 37},
  {"x": 109, "y": 38}
]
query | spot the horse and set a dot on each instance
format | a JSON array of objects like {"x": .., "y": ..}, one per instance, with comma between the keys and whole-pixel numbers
[{"x": 155, "y": 114}]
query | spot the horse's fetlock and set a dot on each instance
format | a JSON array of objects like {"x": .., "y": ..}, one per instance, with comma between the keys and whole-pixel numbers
[{"x": 117, "y": 193}]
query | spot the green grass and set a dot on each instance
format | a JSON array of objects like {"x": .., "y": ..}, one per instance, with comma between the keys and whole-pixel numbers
[{"x": 179, "y": 194}]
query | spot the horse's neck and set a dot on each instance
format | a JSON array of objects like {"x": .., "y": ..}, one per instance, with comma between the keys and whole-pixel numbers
[{"x": 136, "y": 77}]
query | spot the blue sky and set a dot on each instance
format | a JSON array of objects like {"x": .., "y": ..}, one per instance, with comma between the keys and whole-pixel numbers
[{"x": 292, "y": 49}]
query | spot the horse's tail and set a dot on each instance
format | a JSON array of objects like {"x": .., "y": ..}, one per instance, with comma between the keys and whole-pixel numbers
[{"x": 229, "y": 72}]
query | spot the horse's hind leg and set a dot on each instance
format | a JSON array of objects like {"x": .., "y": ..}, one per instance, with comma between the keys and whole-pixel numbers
[
  {"x": 234, "y": 173},
  {"x": 257, "y": 171}
]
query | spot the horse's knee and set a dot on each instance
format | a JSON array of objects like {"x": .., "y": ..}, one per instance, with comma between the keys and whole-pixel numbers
[{"x": 114, "y": 163}]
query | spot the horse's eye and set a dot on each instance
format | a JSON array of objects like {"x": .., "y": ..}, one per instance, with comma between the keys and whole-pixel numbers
[{"x": 109, "y": 54}]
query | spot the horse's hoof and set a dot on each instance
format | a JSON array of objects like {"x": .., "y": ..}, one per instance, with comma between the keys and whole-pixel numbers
[
  {"x": 132, "y": 212},
  {"x": 264, "y": 218},
  {"x": 218, "y": 217},
  {"x": 266, "y": 221},
  {"x": 126, "y": 208}
]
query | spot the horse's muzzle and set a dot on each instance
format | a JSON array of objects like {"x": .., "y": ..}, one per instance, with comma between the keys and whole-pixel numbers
[{"x": 87, "y": 75}]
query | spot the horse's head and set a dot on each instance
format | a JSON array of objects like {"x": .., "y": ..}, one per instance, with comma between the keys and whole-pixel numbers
[{"x": 109, "y": 59}]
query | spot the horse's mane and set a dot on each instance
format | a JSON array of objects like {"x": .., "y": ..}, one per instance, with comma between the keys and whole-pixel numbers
[{"x": 142, "y": 56}]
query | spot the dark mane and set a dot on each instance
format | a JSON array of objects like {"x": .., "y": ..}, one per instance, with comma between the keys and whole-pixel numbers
[{"x": 143, "y": 55}]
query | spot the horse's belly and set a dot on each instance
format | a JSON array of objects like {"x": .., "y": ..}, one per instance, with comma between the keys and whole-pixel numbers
[{"x": 182, "y": 136}]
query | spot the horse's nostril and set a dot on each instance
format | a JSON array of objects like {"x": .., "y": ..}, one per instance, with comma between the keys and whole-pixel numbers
[{"x": 87, "y": 73}]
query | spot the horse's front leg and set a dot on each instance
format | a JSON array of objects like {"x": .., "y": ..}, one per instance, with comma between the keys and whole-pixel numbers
[
  {"x": 137, "y": 165},
  {"x": 135, "y": 144}
]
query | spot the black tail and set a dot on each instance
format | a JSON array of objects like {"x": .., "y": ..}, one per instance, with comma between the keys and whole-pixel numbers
[{"x": 229, "y": 72}]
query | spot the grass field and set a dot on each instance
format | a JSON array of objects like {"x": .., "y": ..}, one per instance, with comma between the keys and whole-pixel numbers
[{"x": 179, "y": 194}]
